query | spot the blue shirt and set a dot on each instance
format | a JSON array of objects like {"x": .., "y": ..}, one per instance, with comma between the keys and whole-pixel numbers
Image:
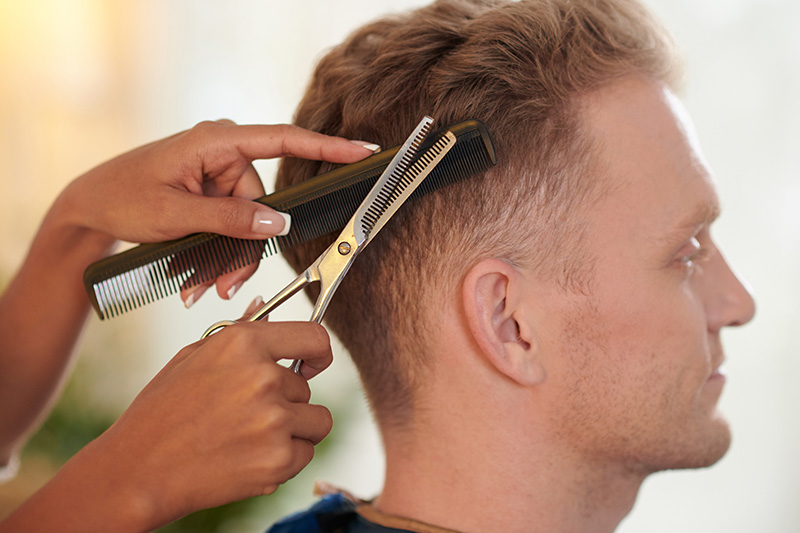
[{"x": 334, "y": 513}]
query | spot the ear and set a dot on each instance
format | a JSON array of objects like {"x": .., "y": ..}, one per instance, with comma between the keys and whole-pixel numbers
[{"x": 499, "y": 322}]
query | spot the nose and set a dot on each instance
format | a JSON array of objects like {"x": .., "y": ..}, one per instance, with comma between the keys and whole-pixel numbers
[{"x": 729, "y": 302}]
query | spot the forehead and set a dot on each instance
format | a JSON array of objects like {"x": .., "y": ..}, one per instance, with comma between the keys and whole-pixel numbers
[{"x": 655, "y": 178}]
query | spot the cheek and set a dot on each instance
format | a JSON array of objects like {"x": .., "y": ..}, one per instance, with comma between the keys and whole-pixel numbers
[{"x": 631, "y": 362}]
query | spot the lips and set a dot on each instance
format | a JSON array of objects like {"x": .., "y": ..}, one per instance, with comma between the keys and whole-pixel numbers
[{"x": 717, "y": 360}]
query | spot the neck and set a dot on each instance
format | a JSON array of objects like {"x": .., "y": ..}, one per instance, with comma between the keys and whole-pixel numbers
[{"x": 468, "y": 464}]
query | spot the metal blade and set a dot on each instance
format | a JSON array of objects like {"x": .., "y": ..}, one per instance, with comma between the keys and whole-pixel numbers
[
  {"x": 374, "y": 204},
  {"x": 388, "y": 195}
]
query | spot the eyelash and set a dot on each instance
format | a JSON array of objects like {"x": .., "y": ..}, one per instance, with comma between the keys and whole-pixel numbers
[{"x": 697, "y": 255}]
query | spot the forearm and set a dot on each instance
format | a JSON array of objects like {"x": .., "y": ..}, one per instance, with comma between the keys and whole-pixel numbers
[{"x": 42, "y": 313}]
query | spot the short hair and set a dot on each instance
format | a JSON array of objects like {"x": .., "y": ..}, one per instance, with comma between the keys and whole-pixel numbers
[{"x": 520, "y": 68}]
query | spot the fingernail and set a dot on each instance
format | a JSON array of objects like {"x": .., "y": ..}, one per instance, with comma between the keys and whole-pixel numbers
[
  {"x": 372, "y": 147},
  {"x": 257, "y": 302},
  {"x": 194, "y": 296},
  {"x": 269, "y": 222},
  {"x": 234, "y": 289}
]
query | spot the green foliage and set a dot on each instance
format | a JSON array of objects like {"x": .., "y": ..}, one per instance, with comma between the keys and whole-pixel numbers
[{"x": 70, "y": 426}]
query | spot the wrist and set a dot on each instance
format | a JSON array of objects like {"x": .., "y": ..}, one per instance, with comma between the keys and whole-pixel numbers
[
  {"x": 72, "y": 220},
  {"x": 135, "y": 494},
  {"x": 107, "y": 491}
]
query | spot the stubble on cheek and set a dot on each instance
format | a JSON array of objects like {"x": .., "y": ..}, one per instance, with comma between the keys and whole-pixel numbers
[{"x": 620, "y": 402}]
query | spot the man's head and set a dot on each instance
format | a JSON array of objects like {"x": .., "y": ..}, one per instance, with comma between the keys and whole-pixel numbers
[{"x": 537, "y": 73}]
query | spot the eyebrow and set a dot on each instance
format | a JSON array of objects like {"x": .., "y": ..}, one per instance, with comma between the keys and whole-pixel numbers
[{"x": 702, "y": 215}]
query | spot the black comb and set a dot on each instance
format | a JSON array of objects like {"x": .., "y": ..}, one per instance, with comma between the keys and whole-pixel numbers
[{"x": 318, "y": 206}]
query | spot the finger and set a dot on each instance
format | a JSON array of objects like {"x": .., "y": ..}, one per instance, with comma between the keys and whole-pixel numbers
[
  {"x": 239, "y": 179},
  {"x": 190, "y": 296},
  {"x": 295, "y": 340},
  {"x": 302, "y": 452},
  {"x": 267, "y": 141},
  {"x": 276, "y": 341},
  {"x": 231, "y": 216},
  {"x": 311, "y": 422},
  {"x": 293, "y": 388},
  {"x": 229, "y": 284},
  {"x": 257, "y": 302},
  {"x": 249, "y": 185}
]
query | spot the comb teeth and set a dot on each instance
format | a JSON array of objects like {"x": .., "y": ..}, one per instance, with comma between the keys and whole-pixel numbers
[
  {"x": 319, "y": 206},
  {"x": 206, "y": 257}
]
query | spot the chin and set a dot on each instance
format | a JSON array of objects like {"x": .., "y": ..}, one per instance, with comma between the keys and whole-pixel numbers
[
  {"x": 710, "y": 445},
  {"x": 689, "y": 449},
  {"x": 718, "y": 443}
]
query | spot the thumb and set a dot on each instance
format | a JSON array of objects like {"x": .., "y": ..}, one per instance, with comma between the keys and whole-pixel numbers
[{"x": 235, "y": 217}]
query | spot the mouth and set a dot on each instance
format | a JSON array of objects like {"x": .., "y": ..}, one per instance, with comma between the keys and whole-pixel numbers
[
  {"x": 718, "y": 373},
  {"x": 717, "y": 363}
]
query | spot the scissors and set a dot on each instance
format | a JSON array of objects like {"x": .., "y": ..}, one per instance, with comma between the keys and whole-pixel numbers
[{"x": 391, "y": 190}]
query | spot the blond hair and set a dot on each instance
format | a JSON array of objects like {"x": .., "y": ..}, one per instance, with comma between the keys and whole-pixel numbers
[{"x": 519, "y": 67}]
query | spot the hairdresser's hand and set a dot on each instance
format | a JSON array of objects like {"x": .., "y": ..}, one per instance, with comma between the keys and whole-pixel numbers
[
  {"x": 221, "y": 422},
  {"x": 200, "y": 180}
]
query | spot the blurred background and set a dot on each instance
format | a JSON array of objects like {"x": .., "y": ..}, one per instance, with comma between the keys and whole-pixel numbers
[{"x": 84, "y": 80}]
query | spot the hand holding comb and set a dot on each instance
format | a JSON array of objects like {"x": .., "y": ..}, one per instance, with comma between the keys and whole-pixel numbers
[{"x": 318, "y": 206}]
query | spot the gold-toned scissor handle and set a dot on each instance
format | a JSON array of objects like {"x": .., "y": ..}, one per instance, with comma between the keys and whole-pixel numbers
[{"x": 217, "y": 326}]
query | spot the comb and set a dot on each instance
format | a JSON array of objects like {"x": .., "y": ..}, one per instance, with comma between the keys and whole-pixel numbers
[{"x": 318, "y": 206}]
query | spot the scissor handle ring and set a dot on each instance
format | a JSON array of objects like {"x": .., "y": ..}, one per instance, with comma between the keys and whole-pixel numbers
[{"x": 217, "y": 326}]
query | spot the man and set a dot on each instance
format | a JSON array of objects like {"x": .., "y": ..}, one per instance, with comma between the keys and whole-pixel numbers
[{"x": 537, "y": 340}]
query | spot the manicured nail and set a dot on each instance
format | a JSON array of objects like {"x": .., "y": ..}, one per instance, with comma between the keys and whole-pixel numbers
[
  {"x": 257, "y": 302},
  {"x": 234, "y": 289},
  {"x": 269, "y": 222},
  {"x": 372, "y": 147},
  {"x": 194, "y": 296}
]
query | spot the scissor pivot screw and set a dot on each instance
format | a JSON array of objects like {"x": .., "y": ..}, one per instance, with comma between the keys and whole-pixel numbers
[{"x": 344, "y": 248}]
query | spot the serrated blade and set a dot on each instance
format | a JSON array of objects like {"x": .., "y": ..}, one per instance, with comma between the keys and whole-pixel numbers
[
  {"x": 380, "y": 197},
  {"x": 387, "y": 197}
]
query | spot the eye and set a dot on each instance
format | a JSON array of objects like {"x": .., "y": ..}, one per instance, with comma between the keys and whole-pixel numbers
[{"x": 692, "y": 254}]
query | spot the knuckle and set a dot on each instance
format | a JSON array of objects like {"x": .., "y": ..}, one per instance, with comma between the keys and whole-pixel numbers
[
  {"x": 230, "y": 213},
  {"x": 283, "y": 457},
  {"x": 207, "y": 130},
  {"x": 278, "y": 420},
  {"x": 286, "y": 132},
  {"x": 202, "y": 128},
  {"x": 237, "y": 338},
  {"x": 271, "y": 380}
]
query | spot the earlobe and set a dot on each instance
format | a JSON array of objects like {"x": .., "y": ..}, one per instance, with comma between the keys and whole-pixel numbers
[{"x": 496, "y": 317}]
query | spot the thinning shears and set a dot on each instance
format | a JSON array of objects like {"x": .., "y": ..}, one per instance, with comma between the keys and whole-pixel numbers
[{"x": 395, "y": 185}]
